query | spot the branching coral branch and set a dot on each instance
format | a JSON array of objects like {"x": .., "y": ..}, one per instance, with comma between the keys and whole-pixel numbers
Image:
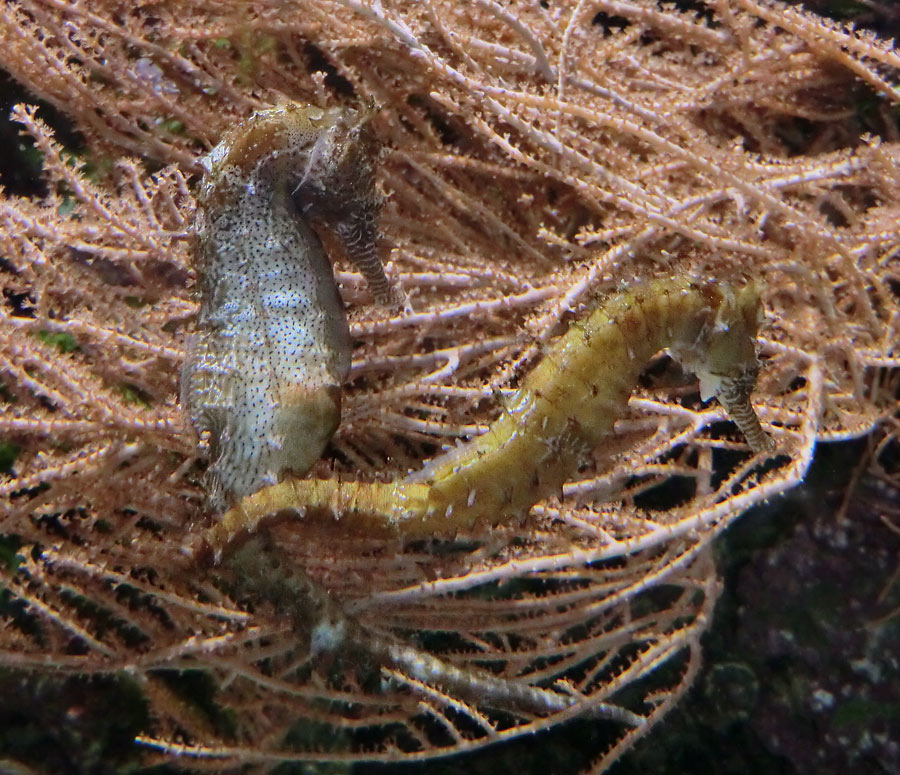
[{"x": 537, "y": 157}]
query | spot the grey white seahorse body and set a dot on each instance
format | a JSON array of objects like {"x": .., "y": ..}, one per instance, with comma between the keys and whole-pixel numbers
[{"x": 272, "y": 348}]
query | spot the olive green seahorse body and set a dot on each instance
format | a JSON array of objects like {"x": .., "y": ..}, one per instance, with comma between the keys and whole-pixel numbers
[{"x": 566, "y": 406}]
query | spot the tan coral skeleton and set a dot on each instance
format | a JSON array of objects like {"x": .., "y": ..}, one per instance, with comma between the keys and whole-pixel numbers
[{"x": 268, "y": 290}]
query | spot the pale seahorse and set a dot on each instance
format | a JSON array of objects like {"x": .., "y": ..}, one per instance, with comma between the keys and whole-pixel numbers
[
  {"x": 565, "y": 407},
  {"x": 272, "y": 348}
]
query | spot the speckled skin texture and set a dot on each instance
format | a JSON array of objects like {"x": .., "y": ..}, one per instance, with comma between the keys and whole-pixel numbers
[{"x": 272, "y": 348}]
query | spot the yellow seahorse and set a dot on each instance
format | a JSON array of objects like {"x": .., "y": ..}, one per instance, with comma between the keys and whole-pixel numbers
[{"x": 565, "y": 407}]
